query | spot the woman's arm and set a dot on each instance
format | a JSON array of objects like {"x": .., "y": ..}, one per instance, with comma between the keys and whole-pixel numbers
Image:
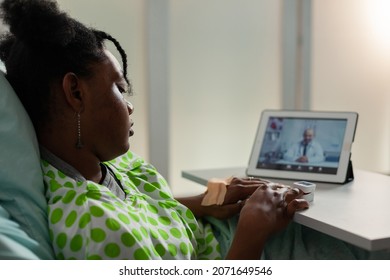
[
  {"x": 267, "y": 211},
  {"x": 265, "y": 208},
  {"x": 194, "y": 203}
]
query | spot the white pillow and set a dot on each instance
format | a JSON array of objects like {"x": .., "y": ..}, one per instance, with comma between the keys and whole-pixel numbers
[
  {"x": 15, "y": 244},
  {"x": 21, "y": 181}
]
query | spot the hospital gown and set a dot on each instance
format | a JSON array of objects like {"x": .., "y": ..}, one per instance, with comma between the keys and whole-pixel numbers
[{"x": 88, "y": 221}]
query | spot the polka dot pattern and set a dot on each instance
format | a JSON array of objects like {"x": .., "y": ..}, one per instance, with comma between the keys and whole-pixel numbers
[{"x": 87, "y": 221}]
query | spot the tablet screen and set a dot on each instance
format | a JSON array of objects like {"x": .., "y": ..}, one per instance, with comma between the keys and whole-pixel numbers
[
  {"x": 303, "y": 145},
  {"x": 299, "y": 144}
]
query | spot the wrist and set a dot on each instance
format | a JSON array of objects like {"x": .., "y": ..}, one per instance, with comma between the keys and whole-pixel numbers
[{"x": 249, "y": 240}]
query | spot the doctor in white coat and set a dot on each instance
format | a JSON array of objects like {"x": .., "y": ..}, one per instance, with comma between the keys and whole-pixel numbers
[{"x": 307, "y": 150}]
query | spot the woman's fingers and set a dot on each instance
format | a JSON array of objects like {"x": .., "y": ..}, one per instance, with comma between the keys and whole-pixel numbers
[
  {"x": 286, "y": 198},
  {"x": 292, "y": 193},
  {"x": 226, "y": 211},
  {"x": 296, "y": 205},
  {"x": 241, "y": 188},
  {"x": 252, "y": 180}
]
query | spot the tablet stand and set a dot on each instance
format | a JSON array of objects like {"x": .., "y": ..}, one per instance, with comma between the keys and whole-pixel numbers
[{"x": 349, "y": 177}]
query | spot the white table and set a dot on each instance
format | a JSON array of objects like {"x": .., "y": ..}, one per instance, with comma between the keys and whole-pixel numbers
[{"x": 357, "y": 212}]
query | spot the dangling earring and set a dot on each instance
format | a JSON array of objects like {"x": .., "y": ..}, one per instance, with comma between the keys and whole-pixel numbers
[{"x": 79, "y": 144}]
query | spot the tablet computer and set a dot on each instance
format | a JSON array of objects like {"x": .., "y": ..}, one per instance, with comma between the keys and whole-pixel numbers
[{"x": 304, "y": 145}]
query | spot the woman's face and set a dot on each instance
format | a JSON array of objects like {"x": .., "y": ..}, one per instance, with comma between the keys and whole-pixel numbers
[{"x": 105, "y": 122}]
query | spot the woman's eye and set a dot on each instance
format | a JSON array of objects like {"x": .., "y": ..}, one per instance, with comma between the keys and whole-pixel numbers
[{"x": 121, "y": 89}]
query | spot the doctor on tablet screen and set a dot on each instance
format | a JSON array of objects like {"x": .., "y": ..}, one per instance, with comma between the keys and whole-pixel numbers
[{"x": 307, "y": 150}]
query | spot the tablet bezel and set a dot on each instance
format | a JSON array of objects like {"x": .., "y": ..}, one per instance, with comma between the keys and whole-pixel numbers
[{"x": 345, "y": 154}]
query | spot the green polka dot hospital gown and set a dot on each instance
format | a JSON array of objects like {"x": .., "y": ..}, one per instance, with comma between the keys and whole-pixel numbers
[{"x": 140, "y": 220}]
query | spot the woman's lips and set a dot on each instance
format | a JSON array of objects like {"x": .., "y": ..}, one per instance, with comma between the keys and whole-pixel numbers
[{"x": 131, "y": 131}]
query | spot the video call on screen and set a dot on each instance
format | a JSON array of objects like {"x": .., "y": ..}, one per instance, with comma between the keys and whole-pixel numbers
[{"x": 288, "y": 140}]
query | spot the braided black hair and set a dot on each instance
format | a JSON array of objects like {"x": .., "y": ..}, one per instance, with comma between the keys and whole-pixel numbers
[
  {"x": 42, "y": 45},
  {"x": 104, "y": 36}
]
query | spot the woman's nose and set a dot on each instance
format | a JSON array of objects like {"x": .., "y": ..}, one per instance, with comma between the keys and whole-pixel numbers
[{"x": 130, "y": 107}]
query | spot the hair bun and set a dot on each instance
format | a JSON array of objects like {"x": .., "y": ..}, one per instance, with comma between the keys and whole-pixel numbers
[{"x": 37, "y": 22}]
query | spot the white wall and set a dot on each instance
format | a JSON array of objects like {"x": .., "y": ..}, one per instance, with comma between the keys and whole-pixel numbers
[
  {"x": 351, "y": 71},
  {"x": 225, "y": 69}
]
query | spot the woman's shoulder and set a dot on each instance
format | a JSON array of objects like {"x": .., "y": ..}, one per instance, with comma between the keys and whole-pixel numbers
[
  {"x": 141, "y": 173},
  {"x": 128, "y": 161}
]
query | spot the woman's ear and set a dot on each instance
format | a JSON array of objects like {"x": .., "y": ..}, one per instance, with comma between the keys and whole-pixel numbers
[{"x": 72, "y": 91}]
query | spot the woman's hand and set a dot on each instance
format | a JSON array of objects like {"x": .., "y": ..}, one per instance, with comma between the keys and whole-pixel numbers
[
  {"x": 268, "y": 210},
  {"x": 272, "y": 207},
  {"x": 241, "y": 189},
  {"x": 237, "y": 192}
]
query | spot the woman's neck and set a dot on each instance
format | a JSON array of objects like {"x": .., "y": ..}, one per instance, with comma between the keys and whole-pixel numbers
[{"x": 85, "y": 162}]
